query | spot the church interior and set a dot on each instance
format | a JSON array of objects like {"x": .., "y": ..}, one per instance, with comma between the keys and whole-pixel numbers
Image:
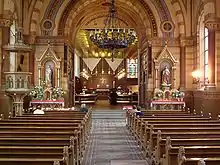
[{"x": 109, "y": 82}]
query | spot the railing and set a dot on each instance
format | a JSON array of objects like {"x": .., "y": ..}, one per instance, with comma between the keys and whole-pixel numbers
[{"x": 17, "y": 81}]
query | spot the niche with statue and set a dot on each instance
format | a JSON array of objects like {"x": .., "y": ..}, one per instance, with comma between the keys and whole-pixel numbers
[
  {"x": 48, "y": 66},
  {"x": 165, "y": 77}
]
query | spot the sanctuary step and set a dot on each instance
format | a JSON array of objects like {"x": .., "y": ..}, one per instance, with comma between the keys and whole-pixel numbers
[
  {"x": 128, "y": 162},
  {"x": 115, "y": 114}
]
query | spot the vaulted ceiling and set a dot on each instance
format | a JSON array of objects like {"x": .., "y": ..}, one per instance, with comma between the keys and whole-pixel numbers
[{"x": 69, "y": 18}]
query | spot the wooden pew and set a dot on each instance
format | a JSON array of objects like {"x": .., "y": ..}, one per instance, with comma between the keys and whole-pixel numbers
[
  {"x": 27, "y": 133},
  {"x": 136, "y": 121},
  {"x": 37, "y": 152},
  {"x": 201, "y": 161},
  {"x": 76, "y": 140},
  {"x": 178, "y": 155},
  {"x": 141, "y": 125},
  {"x": 31, "y": 161},
  {"x": 163, "y": 144},
  {"x": 130, "y": 117},
  {"x": 169, "y": 123}
]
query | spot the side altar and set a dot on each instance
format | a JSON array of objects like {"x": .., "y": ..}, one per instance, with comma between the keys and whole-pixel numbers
[
  {"x": 48, "y": 93},
  {"x": 165, "y": 95},
  {"x": 46, "y": 96}
]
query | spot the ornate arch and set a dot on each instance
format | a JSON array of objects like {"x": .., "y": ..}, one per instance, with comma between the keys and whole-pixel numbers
[
  {"x": 180, "y": 14},
  {"x": 35, "y": 16},
  {"x": 53, "y": 8},
  {"x": 70, "y": 14}
]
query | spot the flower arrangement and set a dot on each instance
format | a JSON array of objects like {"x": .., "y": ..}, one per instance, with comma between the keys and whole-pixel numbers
[
  {"x": 177, "y": 94},
  {"x": 57, "y": 93},
  {"x": 37, "y": 93},
  {"x": 158, "y": 94}
]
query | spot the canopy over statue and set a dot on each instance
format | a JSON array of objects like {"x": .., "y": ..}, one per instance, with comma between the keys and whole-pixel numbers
[{"x": 165, "y": 80}]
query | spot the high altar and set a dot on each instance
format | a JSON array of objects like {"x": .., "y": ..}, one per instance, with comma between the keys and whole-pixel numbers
[{"x": 165, "y": 95}]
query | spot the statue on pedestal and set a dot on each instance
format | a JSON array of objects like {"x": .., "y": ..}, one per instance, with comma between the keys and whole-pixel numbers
[
  {"x": 165, "y": 79},
  {"x": 49, "y": 76}
]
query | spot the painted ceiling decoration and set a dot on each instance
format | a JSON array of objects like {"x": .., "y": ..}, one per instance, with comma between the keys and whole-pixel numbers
[
  {"x": 64, "y": 16},
  {"x": 52, "y": 9},
  {"x": 165, "y": 18},
  {"x": 64, "y": 24},
  {"x": 162, "y": 9}
]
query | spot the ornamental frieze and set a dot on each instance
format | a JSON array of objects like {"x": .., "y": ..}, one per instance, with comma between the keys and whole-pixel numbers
[
  {"x": 52, "y": 39},
  {"x": 188, "y": 41}
]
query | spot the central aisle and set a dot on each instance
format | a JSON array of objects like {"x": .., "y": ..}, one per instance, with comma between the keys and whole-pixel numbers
[{"x": 110, "y": 140}]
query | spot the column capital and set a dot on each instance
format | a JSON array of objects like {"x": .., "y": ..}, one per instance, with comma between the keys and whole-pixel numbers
[
  {"x": 4, "y": 22},
  {"x": 6, "y": 19},
  {"x": 212, "y": 22}
]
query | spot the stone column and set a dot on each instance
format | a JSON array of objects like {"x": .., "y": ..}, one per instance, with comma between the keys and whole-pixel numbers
[
  {"x": 39, "y": 76},
  {"x": 174, "y": 77},
  {"x": 139, "y": 77},
  {"x": 58, "y": 77},
  {"x": 156, "y": 77},
  {"x": 182, "y": 64},
  {"x": 1, "y": 56},
  {"x": 5, "y": 23},
  {"x": 71, "y": 77},
  {"x": 213, "y": 24},
  {"x": 1, "y": 39}
]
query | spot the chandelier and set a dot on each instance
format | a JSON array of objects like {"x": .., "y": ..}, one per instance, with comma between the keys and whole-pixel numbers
[{"x": 112, "y": 37}]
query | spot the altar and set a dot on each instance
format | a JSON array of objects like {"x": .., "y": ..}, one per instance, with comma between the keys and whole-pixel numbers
[
  {"x": 47, "y": 103},
  {"x": 167, "y": 104}
]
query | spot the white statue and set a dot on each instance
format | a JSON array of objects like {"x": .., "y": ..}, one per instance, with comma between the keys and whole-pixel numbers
[
  {"x": 49, "y": 76},
  {"x": 166, "y": 76}
]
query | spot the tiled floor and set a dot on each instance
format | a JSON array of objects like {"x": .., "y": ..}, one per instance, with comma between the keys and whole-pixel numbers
[{"x": 110, "y": 139}]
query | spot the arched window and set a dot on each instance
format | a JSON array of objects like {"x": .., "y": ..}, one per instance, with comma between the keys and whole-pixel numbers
[
  {"x": 206, "y": 55},
  {"x": 203, "y": 51}
]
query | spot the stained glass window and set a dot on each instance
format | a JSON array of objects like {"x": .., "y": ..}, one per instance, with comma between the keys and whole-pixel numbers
[{"x": 132, "y": 68}]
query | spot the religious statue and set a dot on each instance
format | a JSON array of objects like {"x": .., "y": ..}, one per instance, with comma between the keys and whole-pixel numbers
[
  {"x": 49, "y": 76},
  {"x": 166, "y": 76}
]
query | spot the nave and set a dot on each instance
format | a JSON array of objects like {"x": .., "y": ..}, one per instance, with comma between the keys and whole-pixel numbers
[
  {"x": 110, "y": 137},
  {"x": 110, "y": 142}
]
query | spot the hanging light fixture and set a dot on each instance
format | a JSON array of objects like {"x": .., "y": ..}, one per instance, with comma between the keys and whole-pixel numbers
[{"x": 112, "y": 37}]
